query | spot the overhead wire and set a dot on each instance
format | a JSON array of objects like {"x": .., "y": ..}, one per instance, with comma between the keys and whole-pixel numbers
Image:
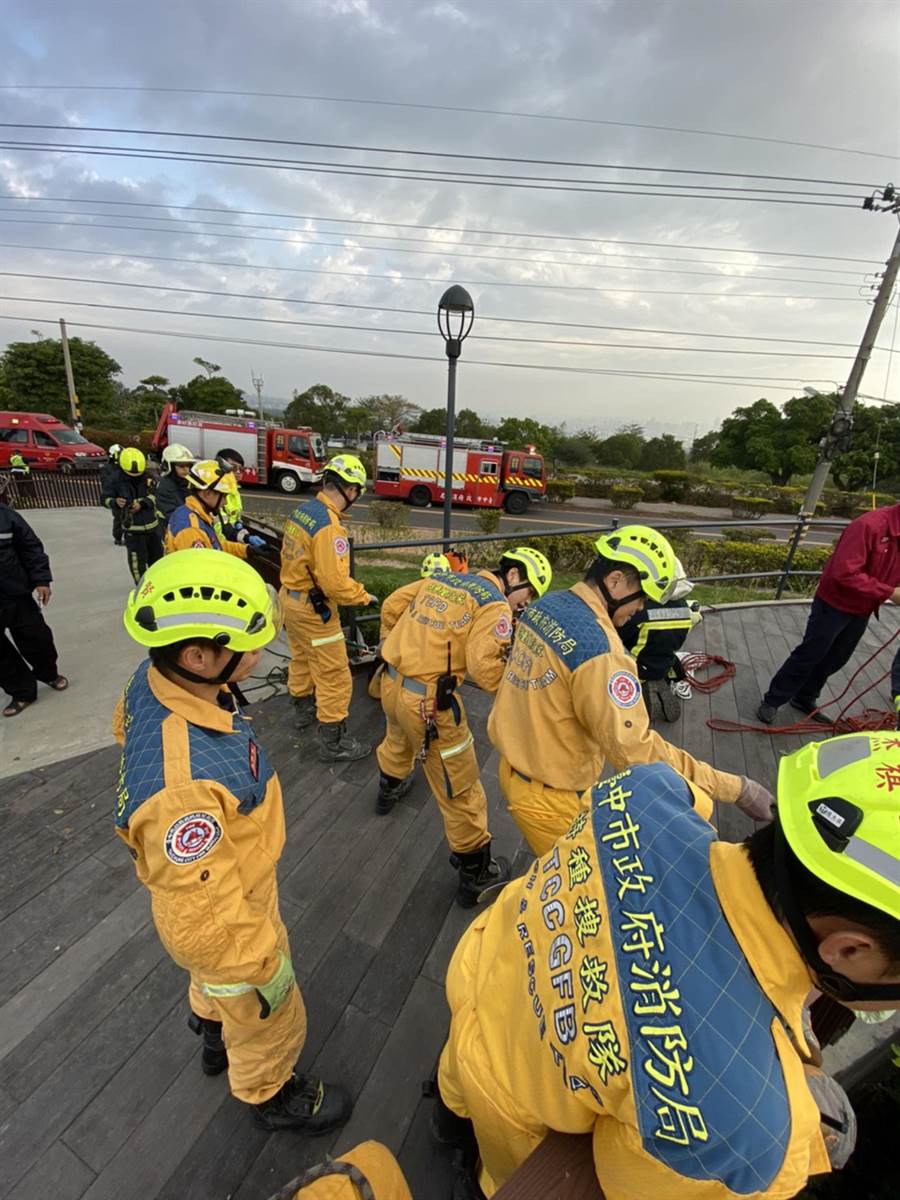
[
  {"x": 520, "y": 234},
  {"x": 363, "y": 276},
  {"x": 453, "y": 108}
]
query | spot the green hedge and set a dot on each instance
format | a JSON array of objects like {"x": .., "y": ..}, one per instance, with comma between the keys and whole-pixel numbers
[
  {"x": 737, "y": 558},
  {"x": 755, "y": 506},
  {"x": 560, "y": 490},
  {"x": 624, "y": 496},
  {"x": 675, "y": 486}
]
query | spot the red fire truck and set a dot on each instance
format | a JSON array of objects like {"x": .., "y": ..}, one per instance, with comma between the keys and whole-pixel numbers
[
  {"x": 410, "y": 466},
  {"x": 284, "y": 458}
]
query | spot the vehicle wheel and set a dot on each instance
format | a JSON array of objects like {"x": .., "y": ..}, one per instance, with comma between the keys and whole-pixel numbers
[
  {"x": 516, "y": 503},
  {"x": 66, "y": 468},
  {"x": 420, "y": 497},
  {"x": 288, "y": 482}
]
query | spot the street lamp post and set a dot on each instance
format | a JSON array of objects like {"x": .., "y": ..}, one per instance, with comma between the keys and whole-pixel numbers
[{"x": 456, "y": 313}]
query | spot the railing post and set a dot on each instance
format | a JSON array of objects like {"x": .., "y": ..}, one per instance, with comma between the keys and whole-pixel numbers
[
  {"x": 352, "y": 624},
  {"x": 800, "y": 533}
]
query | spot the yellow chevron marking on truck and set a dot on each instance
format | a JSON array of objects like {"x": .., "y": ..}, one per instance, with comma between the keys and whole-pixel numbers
[{"x": 396, "y": 449}]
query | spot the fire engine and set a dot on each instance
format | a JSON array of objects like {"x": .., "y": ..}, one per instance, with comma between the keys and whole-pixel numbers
[
  {"x": 284, "y": 458},
  {"x": 410, "y": 466}
]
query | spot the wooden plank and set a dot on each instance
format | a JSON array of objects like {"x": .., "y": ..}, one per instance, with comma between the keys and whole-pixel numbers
[
  {"x": 350, "y": 1052},
  {"x": 46, "y": 908},
  {"x": 220, "y": 1157},
  {"x": 55, "y": 1039},
  {"x": 40, "y": 865},
  {"x": 25, "y": 1011},
  {"x": 327, "y": 993},
  {"x": 387, "y": 1103},
  {"x": 428, "y": 1168},
  {"x": 41, "y": 1118},
  {"x": 58, "y": 935},
  {"x": 58, "y": 1173}
]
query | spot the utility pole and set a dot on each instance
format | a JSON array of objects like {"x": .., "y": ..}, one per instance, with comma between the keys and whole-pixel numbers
[
  {"x": 74, "y": 410},
  {"x": 842, "y": 422},
  {"x": 258, "y": 381}
]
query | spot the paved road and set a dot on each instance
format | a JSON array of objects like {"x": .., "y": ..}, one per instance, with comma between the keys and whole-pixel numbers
[{"x": 543, "y": 517}]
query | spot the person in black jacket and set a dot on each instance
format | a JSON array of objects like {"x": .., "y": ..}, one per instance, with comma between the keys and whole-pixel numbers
[
  {"x": 27, "y": 650},
  {"x": 172, "y": 489},
  {"x": 108, "y": 473},
  {"x": 131, "y": 491}
]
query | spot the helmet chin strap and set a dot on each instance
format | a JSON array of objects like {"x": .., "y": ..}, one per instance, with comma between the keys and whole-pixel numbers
[
  {"x": 613, "y": 605},
  {"x": 224, "y": 675},
  {"x": 831, "y": 982},
  {"x": 336, "y": 483}
]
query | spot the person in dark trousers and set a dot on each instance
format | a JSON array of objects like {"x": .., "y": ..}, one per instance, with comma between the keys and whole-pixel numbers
[
  {"x": 27, "y": 649},
  {"x": 108, "y": 473},
  {"x": 131, "y": 491},
  {"x": 172, "y": 489},
  {"x": 861, "y": 575}
]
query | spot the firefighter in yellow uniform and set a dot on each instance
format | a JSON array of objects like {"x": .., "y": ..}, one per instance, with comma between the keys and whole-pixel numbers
[
  {"x": 193, "y": 526},
  {"x": 454, "y": 625},
  {"x": 395, "y": 605},
  {"x": 315, "y": 581},
  {"x": 570, "y": 698},
  {"x": 200, "y": 810},
  {"x": 645, "y": 982}
]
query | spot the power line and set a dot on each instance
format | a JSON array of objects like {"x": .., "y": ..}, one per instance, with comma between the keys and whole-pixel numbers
[
  {"x": 364, "y": 276},
  {"x": 409, "y": 153},
  {"x": 418, "y": 312},
  {"x": 64, "y": 302},
  {"x": 586, "y": 187},
  {"x": 251, "y": 212},
  {"x": 489, "y": 112},
  {"x": 732, "y": 380},
  {"x": 247, "y": 237},
  {"x": 447, "y": 249}
]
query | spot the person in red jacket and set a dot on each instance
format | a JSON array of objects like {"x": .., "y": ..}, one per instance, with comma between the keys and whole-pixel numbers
[{"x": 861, "y": 575}]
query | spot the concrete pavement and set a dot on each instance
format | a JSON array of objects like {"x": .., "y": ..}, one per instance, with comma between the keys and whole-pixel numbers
[{"x": 91, "y": 581}]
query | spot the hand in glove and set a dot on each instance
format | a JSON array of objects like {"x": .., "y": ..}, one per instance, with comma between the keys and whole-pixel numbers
[
  {"x": 256, "y": 542},
  {"x": 274, "y": 993},
  {"x": 754, "y": 800}
]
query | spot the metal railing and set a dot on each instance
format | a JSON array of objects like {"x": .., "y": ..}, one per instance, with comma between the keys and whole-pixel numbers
[{"x": 51, "y": 489}]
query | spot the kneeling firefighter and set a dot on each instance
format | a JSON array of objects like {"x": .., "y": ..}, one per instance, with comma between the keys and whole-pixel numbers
[
  {"x": 454, "y": 625},
  {"x": 315, "y": 581},
  {"x": 200, "y": 810}
]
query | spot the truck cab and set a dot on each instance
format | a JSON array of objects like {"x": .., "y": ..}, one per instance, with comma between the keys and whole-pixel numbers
[{"x": 46, "y": 443}]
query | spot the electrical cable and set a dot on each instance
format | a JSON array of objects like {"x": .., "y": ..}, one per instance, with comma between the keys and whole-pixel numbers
[
  {"x": 63, "y": 302},
  {"x": 420, "y": 312},
  {"x": 490, "y": 112},
  {"x": 251, "y": 212}
]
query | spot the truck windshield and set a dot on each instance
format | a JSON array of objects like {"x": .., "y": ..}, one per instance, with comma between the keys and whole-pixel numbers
[
  {"x": 533, "y": 467},
  {"x": 298, "y": 445},
  {"x": 68, "y": 437}
]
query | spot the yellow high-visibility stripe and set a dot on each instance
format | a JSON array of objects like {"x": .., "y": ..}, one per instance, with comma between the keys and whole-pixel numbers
[
  {"x": 326, "y": 641},
  {"x": 453, "y": 750}
]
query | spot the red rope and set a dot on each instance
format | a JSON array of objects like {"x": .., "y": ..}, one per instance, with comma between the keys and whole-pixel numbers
[
  {"x": 869, "y": 720},
  {"x": 692, "y": 663}
]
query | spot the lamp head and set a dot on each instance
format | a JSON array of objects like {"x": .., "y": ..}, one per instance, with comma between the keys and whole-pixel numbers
[{"x": 456, "y": 313}]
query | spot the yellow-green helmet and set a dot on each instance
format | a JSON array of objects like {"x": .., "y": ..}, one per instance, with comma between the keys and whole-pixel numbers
[
  {"x": 839, "y": 810},
  {"x": 213, "y": 475},
  {"x": 202, "y": 594},
  {"x": 133, "y": 461},
  {"x": 349, "y": 468},
  {"x": 648, "y": 552},
  {"x": 432, "y": 564},
  {"x": 537, "y": 567}
]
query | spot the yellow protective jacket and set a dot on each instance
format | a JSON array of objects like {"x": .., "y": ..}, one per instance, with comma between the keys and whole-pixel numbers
[
  {"x": 570, "y": 700},
  {"x": 345, "y": 1178},
  {"x": 467, "y": 616},
  {"x": 395, "y": 605},
  {"x": 637, "y": 985},
  {"x": 191, "y": 526},
  {"x": 315, "y": 547},
  {"x": 200, "y": 809}
]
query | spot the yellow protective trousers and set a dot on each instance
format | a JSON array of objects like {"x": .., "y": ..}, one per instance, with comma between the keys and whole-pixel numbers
[
  {"x": 262, "y": 1054},
  {"x": 371, "y": 1162},
  {"x": 450, "y": 765},
  {"x": 506, "y": 1134},
  {"x": 542, "y": 813},
  {"x": 318, "y": 657}
]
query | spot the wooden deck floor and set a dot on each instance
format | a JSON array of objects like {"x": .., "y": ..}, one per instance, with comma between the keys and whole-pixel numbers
[{"x": 101, "y": 1094}]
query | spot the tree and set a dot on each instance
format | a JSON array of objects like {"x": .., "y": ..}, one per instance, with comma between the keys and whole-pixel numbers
[
  {"x": 157, "y": 383},
  {"x": 387, "y": 412},
  {"x": 323, "y": 409},
  {"x": 779, "y": 443},
  {"x": 663, "y": 453},
  {"x": 431, "y": 420},
  {"x": 573, "y": 451},
  {"x": 212, "y": 394},
  {"x": 703, "y": 448},
  {"x": 623, "y": 449},
  {"x": 210, "y": 368},
  {"x": 872, "y": 427},
  {"x": 519, "y": 432},
  {"x": 33, "y": 377}
]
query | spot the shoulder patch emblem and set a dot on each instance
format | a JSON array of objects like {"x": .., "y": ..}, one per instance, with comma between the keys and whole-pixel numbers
[
  {"x": 191, "y": 837},
  {"x": 624, "y": 689},
  {"x": 341, "y": 545},
  {"x": 503, "y": 628}
]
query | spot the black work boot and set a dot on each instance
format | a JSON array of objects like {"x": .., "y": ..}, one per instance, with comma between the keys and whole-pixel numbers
[
  {"x": 306, "y": 1104},
  {"x": 390, "y": 790},
  {"x": 304, "y": 710},
  {"x": 337, "y": 745},
  {"x": 481, "y": 878},
  {"x": 668, "y": 701},
  {"x": 214, "y": 1056}
]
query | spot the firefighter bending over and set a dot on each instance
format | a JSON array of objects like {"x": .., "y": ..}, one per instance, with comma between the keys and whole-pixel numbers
[
  {"x": 194, "y": 526},
  {"x": 454, "y": 625}
]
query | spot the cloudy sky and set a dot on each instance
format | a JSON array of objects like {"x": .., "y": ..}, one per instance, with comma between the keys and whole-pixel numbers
[{"x": 316, "y": 251}]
